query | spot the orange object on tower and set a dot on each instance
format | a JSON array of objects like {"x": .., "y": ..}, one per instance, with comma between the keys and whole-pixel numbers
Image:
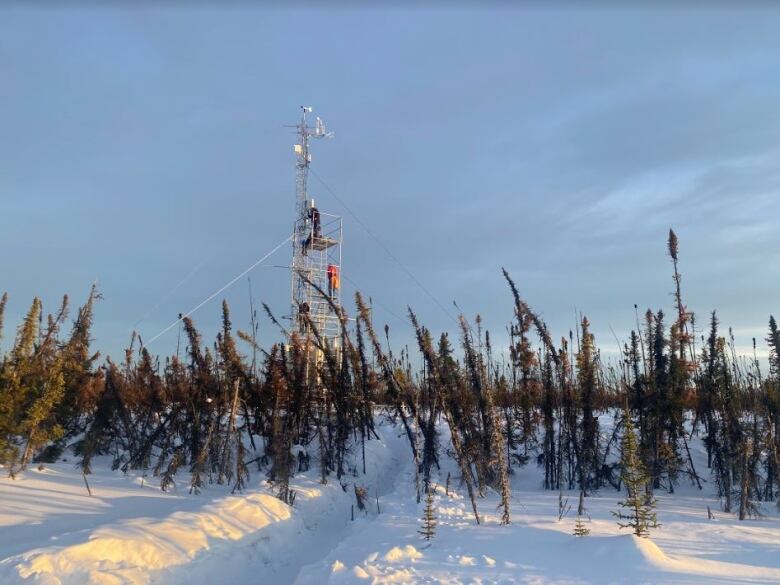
[{"x": 334, "y": 281}]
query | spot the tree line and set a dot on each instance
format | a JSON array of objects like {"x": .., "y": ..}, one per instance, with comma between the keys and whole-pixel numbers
[{"x": 217, "y": 413}]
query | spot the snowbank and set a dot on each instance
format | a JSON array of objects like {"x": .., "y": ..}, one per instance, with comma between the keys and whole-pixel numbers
[
  {"x": 222, "y": 540},
  {"x": 128, "y": 552}
]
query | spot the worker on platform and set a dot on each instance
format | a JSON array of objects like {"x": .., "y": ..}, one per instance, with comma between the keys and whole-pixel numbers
[
  {"x": 333, "y": 279},
  {"x": 316, "y": 230},
  {"x": 314, "y": 215}
]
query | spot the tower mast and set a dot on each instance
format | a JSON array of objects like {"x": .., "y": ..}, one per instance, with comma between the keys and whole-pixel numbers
[{"x": 317, "y": 238}]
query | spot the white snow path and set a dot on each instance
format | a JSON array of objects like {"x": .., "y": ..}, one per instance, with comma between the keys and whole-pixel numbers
[
  {"x": 106, "y": 540},
  {"x": 321, "y": 519}
]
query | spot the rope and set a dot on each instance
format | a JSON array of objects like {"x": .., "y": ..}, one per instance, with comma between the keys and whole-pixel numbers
[
  {"x": 214, "y": 294},
  {"x": 385, "y": 248}
]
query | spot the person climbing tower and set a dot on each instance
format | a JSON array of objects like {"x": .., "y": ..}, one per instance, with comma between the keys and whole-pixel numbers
[
  {"x": 303, "y": 312},
  {"x": 333, "y": 279}
]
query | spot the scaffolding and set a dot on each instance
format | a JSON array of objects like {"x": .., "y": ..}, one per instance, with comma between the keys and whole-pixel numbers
[{"x": 316, "y": 261}]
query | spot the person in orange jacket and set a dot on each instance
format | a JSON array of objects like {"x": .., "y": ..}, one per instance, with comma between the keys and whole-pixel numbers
[{"x": 333, "y": 279}]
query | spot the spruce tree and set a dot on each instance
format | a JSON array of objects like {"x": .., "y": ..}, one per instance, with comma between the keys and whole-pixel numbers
[
  {"x": 22, "y": 380},
  {"x": 638, "y": 509},
  {"x": 773, "y": 340},
  {"x": 39, "y": 425},
  {"x": 81, "y": 381},
  {"x": 579, "y": 527},
  {"x": 747, "y": 507},
  {"x": 428, "y": 529},
  {"x": 41, "y": 390},
  {"x": 281, "y": 440},
  {"x": 503, "y": 473},
  {"x": 587, "y": 380}
]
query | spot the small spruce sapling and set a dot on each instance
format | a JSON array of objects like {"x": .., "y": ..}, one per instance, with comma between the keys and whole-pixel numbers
[
  {"x": 579, "y": 527},
  {"x": 428, "y": 529},
  {"x": 638, "y": 509}
]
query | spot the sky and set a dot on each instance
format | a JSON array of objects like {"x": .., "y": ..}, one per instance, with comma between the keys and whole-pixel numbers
[{"x": 144, "y": 148}]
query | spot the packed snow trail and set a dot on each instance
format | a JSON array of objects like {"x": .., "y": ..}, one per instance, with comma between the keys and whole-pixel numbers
[
  {"x": 321, "y": 518},
  {"x": 229, "y": 539},
  {"x": 54, "y": 534},
  {"x": 538, "y": 549}
]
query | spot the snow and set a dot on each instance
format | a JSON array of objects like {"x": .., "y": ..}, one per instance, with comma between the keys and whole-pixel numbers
[
  {"x": 397, "y": 554},
  {"x": 135, "y": 547},
  {"x": 131, "y": 533},
  {"x": 54, "y": 533}
]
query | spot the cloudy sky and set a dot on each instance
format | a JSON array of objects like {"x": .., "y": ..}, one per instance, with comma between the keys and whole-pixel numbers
[{"x": 145, "y": 149}]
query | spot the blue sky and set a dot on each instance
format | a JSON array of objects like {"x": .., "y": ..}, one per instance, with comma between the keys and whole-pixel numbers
[{"x": 143, "y": 146}]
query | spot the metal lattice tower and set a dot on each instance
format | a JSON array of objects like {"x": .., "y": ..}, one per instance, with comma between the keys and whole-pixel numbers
[{"x": 317, "y": 239}]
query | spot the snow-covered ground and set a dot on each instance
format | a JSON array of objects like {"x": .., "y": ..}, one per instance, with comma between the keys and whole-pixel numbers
[{"x": 129, "y": 532}]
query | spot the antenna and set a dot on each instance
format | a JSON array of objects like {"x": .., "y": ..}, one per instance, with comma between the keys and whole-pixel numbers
[{"x": 320, "y": 131}]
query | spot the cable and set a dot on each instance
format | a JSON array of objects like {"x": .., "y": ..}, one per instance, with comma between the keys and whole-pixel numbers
[
  {"x": 228, "y": 285},
  {"x": 379, "y": 242},
  {"x": 168, "y": 295},
  {"x": 383, "y": 306},
  {"x": 385, "y": 248}
]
